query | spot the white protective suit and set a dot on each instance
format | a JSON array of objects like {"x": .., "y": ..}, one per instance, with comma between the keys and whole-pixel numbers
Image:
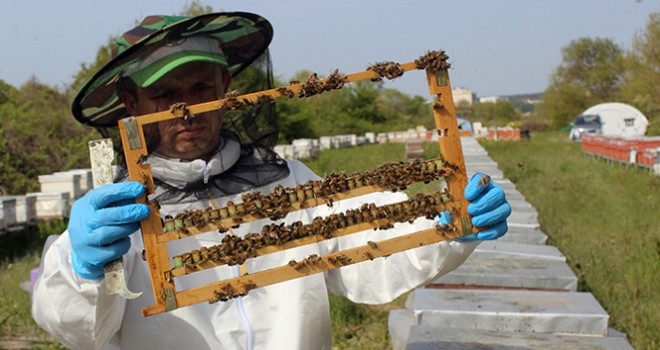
[{"x": 288, "y": 315}]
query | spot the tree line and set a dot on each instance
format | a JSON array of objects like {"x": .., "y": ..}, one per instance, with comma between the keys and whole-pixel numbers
[{"x": 39, "y": 135}]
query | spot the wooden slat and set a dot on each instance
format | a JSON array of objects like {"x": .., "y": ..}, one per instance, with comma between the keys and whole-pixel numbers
[
  {"x": 242, "y": 285},
  {"x": 253, "y": 97},
  {"x": 449, "y": 139}
]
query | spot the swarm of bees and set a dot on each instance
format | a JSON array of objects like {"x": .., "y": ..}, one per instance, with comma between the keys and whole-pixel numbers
[
  {"x": 314, "y": 86},
  {"x": 389, "y": 70},
  {"x": 277, "y": 204},
  {"x": 234, "y": 250},
  {"x": 232, "y": 101},
  {"x": 433, "y": 60}
]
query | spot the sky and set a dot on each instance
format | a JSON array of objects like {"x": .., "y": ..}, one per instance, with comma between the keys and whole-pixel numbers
[{"x": 495, "y": 48}]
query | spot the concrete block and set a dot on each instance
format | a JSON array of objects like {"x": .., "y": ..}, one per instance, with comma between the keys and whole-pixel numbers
[
  {"x": 520, "y": 204},
  {"x": 521, "y": 216},
  {"x": 476, "y": 158},
  {"x": 502, "y": 269},
  {"x": 432, "y": 338},
  {"x": 546, "y": 252},
  {"x": 528, "y": 234},
  {"x": 490, "y": 170},
  {"x": 510, "y": 311}
]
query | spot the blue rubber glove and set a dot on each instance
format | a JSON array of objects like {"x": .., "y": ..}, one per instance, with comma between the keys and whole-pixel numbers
[
  {"x": 488, "y": 207},
  {"x": 100, "y": 224}
]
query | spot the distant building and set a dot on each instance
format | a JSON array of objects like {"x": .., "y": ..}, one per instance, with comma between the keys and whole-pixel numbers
[
  {"x": 462, "y": 94},
  {"x": 489, "y": 99}
]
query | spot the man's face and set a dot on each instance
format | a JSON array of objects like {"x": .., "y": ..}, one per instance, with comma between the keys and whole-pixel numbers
[{"x": 192, "y": 83}]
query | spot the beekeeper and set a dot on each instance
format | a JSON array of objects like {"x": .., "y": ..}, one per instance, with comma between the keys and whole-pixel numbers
[{"x": 211, "y": 159}]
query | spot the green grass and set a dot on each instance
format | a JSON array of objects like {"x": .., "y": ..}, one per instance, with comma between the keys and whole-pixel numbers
[
  {"x": 356, "y": 159},
  {"x": 20, "y": 252},
  {"x": 604, "y": 217}
]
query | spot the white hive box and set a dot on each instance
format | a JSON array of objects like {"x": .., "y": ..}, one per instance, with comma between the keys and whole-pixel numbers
[
  {"x": 303, "y": 148},
  {"x": 284, "y": 151},
  {"x": 7, "y": 212},
  {"x": 51, "y": 205},
  {"x": 63, "y": 182},
  {"x": 26, "y": 209},
  {"x": 353, "y": 139},
  {"x": 86, "y": 180},
  {"x": 325, "y": 142}
]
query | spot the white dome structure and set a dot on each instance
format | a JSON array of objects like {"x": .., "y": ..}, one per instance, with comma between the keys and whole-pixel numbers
[{"x": 619, "y": 119}]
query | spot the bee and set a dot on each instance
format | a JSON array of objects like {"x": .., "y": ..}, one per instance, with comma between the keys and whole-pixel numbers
[
  {"x": 141, "y": 158},
  {"x": 285, "y": 92},
  {"x": 372, "y": 244},
  {"x": 265, "y": 98},
  {"x": 232, "y": 94},
  {"x": 145, "y": 179},
  {"x": 484, "y": 180},
  {"x": 248, "y": 286},
  {"x": 168, "y": 277},
  {"x": 179, "y": 109},
  {"x": 343, "y": 259}
]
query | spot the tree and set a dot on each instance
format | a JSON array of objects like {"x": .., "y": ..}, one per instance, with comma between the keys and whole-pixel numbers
[
  {"x": 640, "y": 87},
  {"x": 591, "y": 72},
  {"x": 402, "y": 112},
  {"x": 38, "y": 136},
  {"x": 500, "y": 113},
  {"x": 195, "y": 8}
]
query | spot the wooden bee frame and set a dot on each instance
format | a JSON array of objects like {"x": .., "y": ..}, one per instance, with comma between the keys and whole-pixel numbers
[{"x": 156, "y": 233}]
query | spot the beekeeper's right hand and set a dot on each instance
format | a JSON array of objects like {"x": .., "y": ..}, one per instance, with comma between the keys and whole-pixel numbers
[{"x": 100, "y": 224}]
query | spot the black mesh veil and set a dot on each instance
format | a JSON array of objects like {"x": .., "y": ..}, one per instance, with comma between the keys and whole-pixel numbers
[{"x": 254, "y": 127}]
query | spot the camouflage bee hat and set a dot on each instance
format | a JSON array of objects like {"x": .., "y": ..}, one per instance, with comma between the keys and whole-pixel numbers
[{"x": 237, "y": 38}]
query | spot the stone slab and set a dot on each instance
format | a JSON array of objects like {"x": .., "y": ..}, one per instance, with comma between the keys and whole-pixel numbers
[
  {"x": 529, "y": 250},
  {"x": 477, "y": 158},
  {"x": 502, "y": 269},
  {"x": 428, "y": 338},
  {"x": 521, "y": 204},
  {"x": 519, "y": 216},
  {"x": 509, "y": 311},
  {"x": 494, "y": 173},
  {"x": 528, "y": 234}
]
